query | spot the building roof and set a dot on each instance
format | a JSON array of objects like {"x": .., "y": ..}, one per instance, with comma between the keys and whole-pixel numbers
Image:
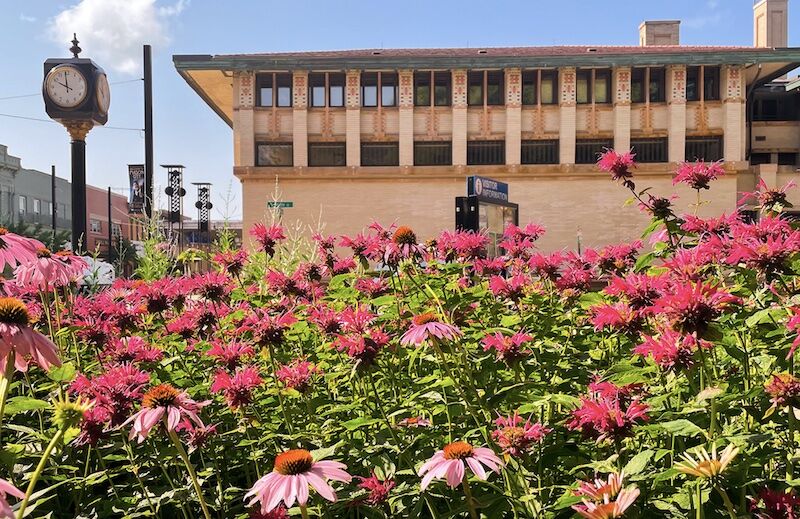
[{"x": 210, "y": 76}]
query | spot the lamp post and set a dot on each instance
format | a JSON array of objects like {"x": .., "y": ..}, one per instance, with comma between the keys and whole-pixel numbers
[
  {"x": 76, "y": 94},
  {"x": 175, "y": 192},
  {"x": 203, "y": 206}
]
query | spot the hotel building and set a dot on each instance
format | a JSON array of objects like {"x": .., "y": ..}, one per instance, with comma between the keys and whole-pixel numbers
[{"x": 391, "y": 134}]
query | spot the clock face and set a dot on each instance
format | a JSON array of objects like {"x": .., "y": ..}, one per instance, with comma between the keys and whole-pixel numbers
[
  {"x": 66, "y": 86},
  {"x": 103, "y": 94}
]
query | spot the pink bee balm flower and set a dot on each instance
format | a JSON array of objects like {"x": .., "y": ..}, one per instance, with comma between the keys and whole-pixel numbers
[
  {"x": 295, "y": 470},
  {"x": 131, "y": 349},
  {"x": 698, "y": 175},
  {"x": 19, "y": 341},
  {"x": 378, "y": 489},
  {"x": 164, "y": 402},
  {"x": 6, "y": 489},
  {"x": 515, "y": 437},
  {"x": 619, "y": 316},
  {"x": 508, "y": 349},
  {"x": 618, "y": 164},
  {"x": 784, "y": 388},
  {"x": 670, "y": 350},
  {"x": 16, "y": 249},
  {"x": 267, "y": 237},
  {"x": 229, "y": 354},
  {"x": 426, "y": 327},
  {"x": 608, "y": 412},
  {"x": 298, "y": 375},
  {"x": 692, "y": 306},
  {"x": 237, "y": 389},
  {"x": 448, "y": 464}
]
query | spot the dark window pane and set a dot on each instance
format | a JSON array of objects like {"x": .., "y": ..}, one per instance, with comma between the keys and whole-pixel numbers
[
  {"x": 650, "y": 150},
  {"x": 584, "y": 77},
  {"x": 335, "y": 89},
  {"x": 787, "y": 159},
  {"x": 495, "y": 92},
  {"x": 587, "y": 151},
  {"x": 433, "y": 153},
  {"x": 388, "y": 89},
  {"x": 284, "y": 89},
  {"x": 657, "y": 85},
  {"x": 549, "y": 93},
  {"x": 692, "y": 83},
  {"x": 422, "y": 89},
  {"x": 475, "y": 90},
  {"x": 486, "y": 152},
  {"x": 326, "y": 154},
  {"x": 264, "y": 82},
  {"x": 704, "y": 148},
  {"x": 602, "y": 86},
  {"x": 637, "y": 85},
  {"x": 529, "y": 80},
  {"x": 540, "y": 152},
  {"x": 759, "y": 158},
  {"x": 379, "y": 154},
  {"x": 711, "y": 83},
  {"x": 369, "y": 89},
  {"x": 274, "y": 155},
  {"x": 441, "y": 85}
]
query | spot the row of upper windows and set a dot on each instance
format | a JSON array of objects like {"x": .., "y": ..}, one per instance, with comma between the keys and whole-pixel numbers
[
  {"x": 440, "y": 153},
  {"x": 486, "y": 87}
]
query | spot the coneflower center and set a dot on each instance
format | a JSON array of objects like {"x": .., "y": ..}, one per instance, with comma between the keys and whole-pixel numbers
[
  {"x": 457, "y": 450},
  {"x": 293, "y": 462},
  {"x": 404, "y": 236},
  {"x": 160, "y": 396},
  {"x": 425, "y": 318},
  {"x": 13, "y": 311},
  {"x": 43, "y": 252}
]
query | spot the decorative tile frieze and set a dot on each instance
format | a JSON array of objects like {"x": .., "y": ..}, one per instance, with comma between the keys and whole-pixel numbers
[
  {"x": 459, "y": 89},
  {"x": 513, "y": 87},
  {"x": 353, "y": 90},
  {"x": 567, "y": 82},
  {"x": 300, "y": 89}
]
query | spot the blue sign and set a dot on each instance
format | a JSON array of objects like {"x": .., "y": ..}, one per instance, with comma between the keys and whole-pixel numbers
[{"x": 487, "y": 189}]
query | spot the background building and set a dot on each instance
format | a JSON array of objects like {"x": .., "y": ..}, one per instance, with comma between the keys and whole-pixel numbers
[{"x": 391, "y": 134}]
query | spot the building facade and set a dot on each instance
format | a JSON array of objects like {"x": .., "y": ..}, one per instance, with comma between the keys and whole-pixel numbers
[{"x": 391, "y": 134}]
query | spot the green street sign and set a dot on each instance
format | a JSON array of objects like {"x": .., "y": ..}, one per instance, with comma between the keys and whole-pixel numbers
[{"x": 280, "y": 204}]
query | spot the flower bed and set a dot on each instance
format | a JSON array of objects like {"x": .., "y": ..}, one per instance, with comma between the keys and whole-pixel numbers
[{"x": 617, "y": 382}]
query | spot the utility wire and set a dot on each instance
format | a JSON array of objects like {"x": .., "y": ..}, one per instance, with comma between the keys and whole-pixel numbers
[
  {"x": 38, "y": 94},
  {"x": 55, "y": 122}
]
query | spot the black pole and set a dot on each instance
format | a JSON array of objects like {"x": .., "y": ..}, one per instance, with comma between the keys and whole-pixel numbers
[
  {"x": 53, "y": 202},
  {"x": 148, "y": 131},
  {"x": 110, "y": 235},
  {"x": 78, "y": 194}
]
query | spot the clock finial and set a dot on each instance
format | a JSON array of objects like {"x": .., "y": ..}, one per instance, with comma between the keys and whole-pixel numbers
[{"x": 75, "y": 50}]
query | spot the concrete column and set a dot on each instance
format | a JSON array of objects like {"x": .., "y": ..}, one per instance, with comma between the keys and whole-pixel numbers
[
  {"x": 513, "y": 81},
  {"x": 353, "y": 117},
  {"x": 300, "y": 118},
  {"x": 567, "y": 110},
  {"x": 676, "y": 97},
  {"x": 244, "y": 152},
  {"x": 459, "y": 81},
  {"x": 406, "y": 116},
  {"x": 622, "y": 109},
  {"x": 733, "y": 100}
]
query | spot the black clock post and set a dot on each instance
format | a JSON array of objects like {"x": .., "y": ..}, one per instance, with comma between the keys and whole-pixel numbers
[{"x": 76, "y": 94}]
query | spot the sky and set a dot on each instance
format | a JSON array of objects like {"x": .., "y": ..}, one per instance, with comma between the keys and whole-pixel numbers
[{"x": 186, "y": 130}]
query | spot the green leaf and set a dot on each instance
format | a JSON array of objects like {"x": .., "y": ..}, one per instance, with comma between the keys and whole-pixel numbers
[
  {"x": 638, "y": 462},
  {"x": 680, "y": 427},
  {"x": 19, "y": 404},
  {"x": 65, "y": 373},
  {"x": 357, "y": 423}
]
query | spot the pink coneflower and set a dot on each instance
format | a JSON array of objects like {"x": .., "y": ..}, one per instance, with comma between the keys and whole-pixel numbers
[
  {"x": 20, "y": 341},
  {"x": 508, "y": 349},
  {"x": 76, "y": 265},
  {"x": 16, "y": 249},
  {"x": 775, "y": 504},
  {"x": 449, "y": 464},
  {"x": 402, "y": 246},
  {"x": 598, "y": 488},
  {"x": 44, "y": 272},
  {"x": 6, "y": 489},
  {"x": 237, "y": 389},
  {"x": 164, "y": 402},
  {"x": 670, "y": 350},
  {"x": 691, "y": 307},
  {"x": 784, "y": 388},
  {"x": 427, "y": 326},
  {"x": 618, "y": 164},
  {"x": 698, "y": 175},
  {"x": 515, "y": 436},
  {"x": 229, "y": 354},
  {"x": 298, "y": 375},
  {"x": 414, "y": 422},
  {"x": 607, "y": 412},
  {"x": 267, "y": 237},
  {"x": 378, "y": 489},
  {"x": 131, "y": 349},
  {"x": 605, "y": 500},
  {"x": 295, "y": 470}
]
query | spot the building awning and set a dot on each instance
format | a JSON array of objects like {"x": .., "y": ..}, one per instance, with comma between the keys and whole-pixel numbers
[{"x": 211, "y": 76}]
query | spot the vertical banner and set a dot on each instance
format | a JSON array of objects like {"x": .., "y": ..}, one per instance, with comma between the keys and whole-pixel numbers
[{"x": 136, "y": 176}]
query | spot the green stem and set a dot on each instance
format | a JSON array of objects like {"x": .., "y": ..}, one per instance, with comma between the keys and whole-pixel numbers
[
  {"x": 699, "y": 496},
  {"x": 727, "y": 501},
  {"x": 38, "y": 472},
  {"x": 470, "y": 503},
  {"x": 280, "y": 395},
  {"x": 304, "y": 511},
  {"x": 5, "y": 384},
  {"x": 192, "y": 474}
]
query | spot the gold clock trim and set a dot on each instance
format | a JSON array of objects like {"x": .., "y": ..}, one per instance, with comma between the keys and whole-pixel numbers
[{"x": 57, "y": 69}]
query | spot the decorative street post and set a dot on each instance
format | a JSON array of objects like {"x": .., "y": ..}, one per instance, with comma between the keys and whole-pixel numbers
[
  {"x": 203, "y": 206},
  {"x": 76, "y": 94},
  {"x": 175, "y": 192}
]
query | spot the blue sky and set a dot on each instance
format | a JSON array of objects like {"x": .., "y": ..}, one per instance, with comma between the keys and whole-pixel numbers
[{"x": 188, "y": 132}]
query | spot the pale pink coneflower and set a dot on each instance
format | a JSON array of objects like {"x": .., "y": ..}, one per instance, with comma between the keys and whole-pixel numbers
[
  {"x": 43, "y": 272},
  {"x": 295, "y": 470},
  {"x": 7, "y": 488},
  {"x": 16, "y": 249},
  {"x": 18, "y": 338},
  {"x": 164, "y": 401},
  {"x": 449, "y": 464},
  {"x": 427, "y": 326}
]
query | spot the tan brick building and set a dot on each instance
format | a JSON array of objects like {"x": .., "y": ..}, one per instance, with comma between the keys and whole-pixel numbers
[{"x": 391, "y": 134}]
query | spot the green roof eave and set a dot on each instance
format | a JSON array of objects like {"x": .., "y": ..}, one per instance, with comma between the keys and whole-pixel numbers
[{"x": 301, "y": 62}]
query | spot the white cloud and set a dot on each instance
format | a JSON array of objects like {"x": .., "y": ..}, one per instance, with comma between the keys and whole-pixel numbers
[
  {"x": 25, "y": 18},
  {"x": 112, "y": 32}
]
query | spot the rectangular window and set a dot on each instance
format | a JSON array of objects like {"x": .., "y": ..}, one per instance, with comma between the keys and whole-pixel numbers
[
  {"x": 711, "y": 85},
  {"x": 422, "y": 89},
  {"x": 265, "y": 91},
  {"x": 692, "y": 83},
  {"x": 284, "y": 82},
  {"x": 327, "y": 154},
  {"x": 638, "y": 85},
  {"x": 787, "y": 159},
  {"x": 650, "y": 150},
  {"x": 494, "y": 88},
  {"x": 379, "y": 154},
  {"x": 648, "y": 84},
  {"x": 433, "y": 153},
  {"x": 274, "y": 154},
  {"x": 602, "y": 86},
  {"x": 369, "y": 89},
  {"x": 388, "y": 89},
  {"x": 116, "y": 230},
  {"x": 582, "y": 89},
  {"x": 486, "y": 153},
  {"x": 37, "y": 206},
  {"x": 335, "y": 90},
  {"x": 587, "y": 151},
  {"x": 23, "y": 204},
  {"x": 95, "y": 226},
  {"x": 704, "y": 148},
  {"x": 549, "y": 89},
  {"x": 50, "y": 208},
  {"x": 540, "y": 152},
  {"x": 441, "y": 88},
  {"x": 657, "y": 85},
  {"x": 316, "y": 89},
  {"x": 475, "y": 89},
  {"x": 530, "y": 81},
  {"x": 759, "y": 158}
]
